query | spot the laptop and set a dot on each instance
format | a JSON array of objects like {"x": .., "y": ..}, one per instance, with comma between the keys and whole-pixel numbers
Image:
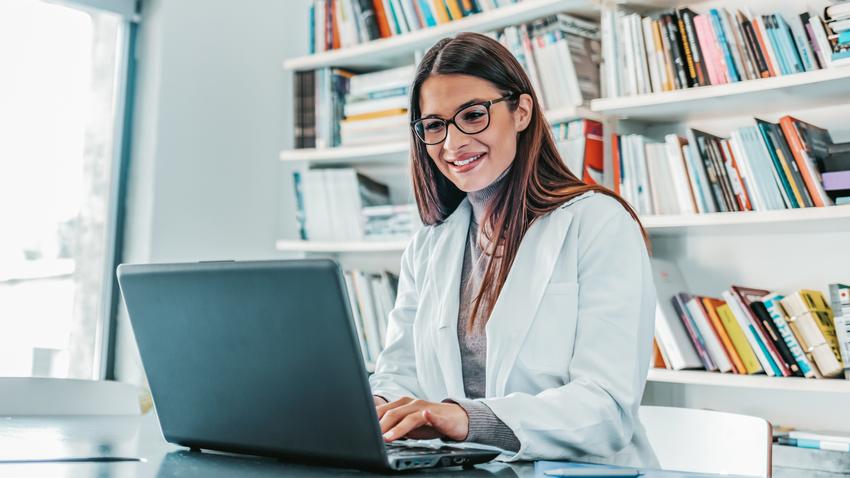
[{"x": 262, "y": 358}]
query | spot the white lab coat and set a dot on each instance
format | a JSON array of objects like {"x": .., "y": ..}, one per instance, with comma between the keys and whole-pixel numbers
[{"x": 568, "y": 341}]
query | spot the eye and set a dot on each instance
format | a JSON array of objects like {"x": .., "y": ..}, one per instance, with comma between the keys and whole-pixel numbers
[
  {"x": 472, "y": 116},
  {"x": 432, "y": 126}
]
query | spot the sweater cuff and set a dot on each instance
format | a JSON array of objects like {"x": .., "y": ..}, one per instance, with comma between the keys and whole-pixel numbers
[{"x": 485, "y": 427}]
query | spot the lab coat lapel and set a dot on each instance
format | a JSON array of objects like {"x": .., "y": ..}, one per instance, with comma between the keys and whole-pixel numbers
[
  {"x": 445, "y": 274},
  {"x": 520, "y": 297}
]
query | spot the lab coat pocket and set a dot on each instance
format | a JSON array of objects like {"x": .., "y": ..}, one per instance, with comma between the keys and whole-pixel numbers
[{"x": 549, "y": 343}]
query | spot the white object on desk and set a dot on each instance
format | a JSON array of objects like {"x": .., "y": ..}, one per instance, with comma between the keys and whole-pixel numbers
[
  {"x": 705, "y": 441},
  {"x": 38, "y": 396},
  {"x": 593, "y": 472}
]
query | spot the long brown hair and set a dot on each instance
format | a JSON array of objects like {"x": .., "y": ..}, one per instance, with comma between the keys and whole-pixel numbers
[{"x": 538, "y": 181}]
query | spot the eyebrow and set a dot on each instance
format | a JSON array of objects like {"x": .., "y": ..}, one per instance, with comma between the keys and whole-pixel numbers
[{"x": 468, "y": 103}]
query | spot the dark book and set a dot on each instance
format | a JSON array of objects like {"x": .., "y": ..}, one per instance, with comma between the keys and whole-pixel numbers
[
  {"x": 686, "y": 16},
  {"x": 700, "y": 139},
  {"x": 690, "y": 66},
  {"x": 677, "y": 54},
  {"x": 775, "y": 336},
  {"x": 810, "y": 37},
  {"x": 747, "y": 296},
  {"x": 796, "y": 176},
  {"x": 836, "y": 162},
  {"x": 722, "y": 163},
  {"x": 754, "y": 46},
  {"x": 679, "y": 301},
  {"x": 782, "y": 163},
  {"x": 838, "y": 148},
  {"x": 367, "y": 20}
]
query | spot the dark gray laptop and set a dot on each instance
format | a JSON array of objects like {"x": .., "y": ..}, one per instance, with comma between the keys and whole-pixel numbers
[{"x": 262, "y": 358}]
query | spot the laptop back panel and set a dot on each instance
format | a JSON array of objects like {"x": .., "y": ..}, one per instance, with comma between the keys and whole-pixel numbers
[{"x": 254, "y": 357}]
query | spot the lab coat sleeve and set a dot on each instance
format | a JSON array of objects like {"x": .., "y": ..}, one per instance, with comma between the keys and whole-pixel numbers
[
  {"x": 594, "y": 415},
  {"x": 395, "y": 370}
]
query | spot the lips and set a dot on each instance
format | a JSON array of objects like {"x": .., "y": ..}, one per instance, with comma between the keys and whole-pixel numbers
[{"x": 466, "y": 161}]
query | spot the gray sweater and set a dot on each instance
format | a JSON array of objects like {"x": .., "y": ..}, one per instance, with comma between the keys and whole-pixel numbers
[{"x": 484, "y": 426}]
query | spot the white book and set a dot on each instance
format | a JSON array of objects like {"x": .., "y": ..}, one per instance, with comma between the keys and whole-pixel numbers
[
  {"x": 669, "y": 330},
  {"x": 653, "y": 170},
  {"x": 651, "y": 55},
  {"x": 712, "y": 342},
  {"x": 678, "y": 172},
  {"x": 368, "y": 313},
  {"x": 640, "y": 50},
  {"x": 629, "y": 67},
  {"x": 744, "y": 322},
  {"x": 824, "y": 46},
  {"x": 698, "y": 168},
  {"x": 381, "y": 306},
  {"x": 747, "y": 175},
  {"x": 358, "y": 320},
  {"x": 610, "y": 53},
  {"x": 644, "y": 181},
  {"x": 571, "y": 82},
  {"x": 765, "y": 166},
  {"x": 669, "y": 203},
  {"x": 366, "y": 83},
  {"x": 315, "y": 206},
  {"x": 372, "y": 106},
  {"x": 528, "y": 50}
]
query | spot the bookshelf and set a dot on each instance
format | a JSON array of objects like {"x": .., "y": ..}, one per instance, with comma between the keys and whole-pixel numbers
[{"x": 778, "y": 250}]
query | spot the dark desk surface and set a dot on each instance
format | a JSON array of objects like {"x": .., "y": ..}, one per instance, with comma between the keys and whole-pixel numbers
[{"x": 140, "y": 437}]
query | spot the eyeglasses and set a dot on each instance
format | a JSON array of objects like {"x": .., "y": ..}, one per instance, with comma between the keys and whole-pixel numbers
[{"x": 473, "y": 119}]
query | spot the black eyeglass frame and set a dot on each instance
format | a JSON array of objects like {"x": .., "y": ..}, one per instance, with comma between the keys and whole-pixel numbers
[{"x": 487, "y": 104}]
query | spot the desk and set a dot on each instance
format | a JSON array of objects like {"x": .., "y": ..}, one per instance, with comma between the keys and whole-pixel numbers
[{"x": 141, "y": 437}]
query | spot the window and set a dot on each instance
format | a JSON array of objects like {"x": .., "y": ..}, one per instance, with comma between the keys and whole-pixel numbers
[{"x": 60, "y": 103}]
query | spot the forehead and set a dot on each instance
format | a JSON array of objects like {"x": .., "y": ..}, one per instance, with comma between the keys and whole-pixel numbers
[{"x": 442, "y": 95}]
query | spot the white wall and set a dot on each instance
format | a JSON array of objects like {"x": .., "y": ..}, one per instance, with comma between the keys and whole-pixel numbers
[{"x": 213, "y": 111}]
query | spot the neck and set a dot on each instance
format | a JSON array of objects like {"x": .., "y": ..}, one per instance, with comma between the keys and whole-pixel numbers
[{"x": 481, "y": 198}]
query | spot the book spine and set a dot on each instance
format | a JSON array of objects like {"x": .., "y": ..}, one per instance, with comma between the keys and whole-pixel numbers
[
  {"x": 677, "y": 56},
  {"x": 772, "y": 333},
  {"x": 755, "y": 49},
  {"x": 694, "y": 44},
  {"x": 686, "y": 49},
  {"x": 679, "y": 302},
  {"x": 777, "y": 315},
  {"x": 805, "y": 165},
  {"x": 724, "y": 46},
  {"x": 756, "y": 344}
]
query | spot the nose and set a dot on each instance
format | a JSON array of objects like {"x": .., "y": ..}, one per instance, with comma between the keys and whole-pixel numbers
[{"x": 455, "y": 138}]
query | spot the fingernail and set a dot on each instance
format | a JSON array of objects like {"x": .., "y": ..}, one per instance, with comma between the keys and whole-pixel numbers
[{"x": 388, "y": 435}]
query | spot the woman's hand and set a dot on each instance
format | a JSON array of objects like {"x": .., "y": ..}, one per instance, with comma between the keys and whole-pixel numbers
[
  {"x": 379, "y": 401},
  {"x": 422, "y": 420}
]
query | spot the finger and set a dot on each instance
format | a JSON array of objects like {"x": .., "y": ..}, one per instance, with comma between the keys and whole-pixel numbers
[
  {"x": 392, "y": 417},
  {"x": 445, "y": 425},
  {"x": 382, "y": 409},
  {"x": 410, "y": 423},
  {"x": 379, "y": 400}
]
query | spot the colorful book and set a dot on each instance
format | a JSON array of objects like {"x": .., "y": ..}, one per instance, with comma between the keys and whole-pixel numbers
[
  {"x": 710, "y": 305},
  {"x": 739, "y": 340},
  {"x": 777, "y": 315}
]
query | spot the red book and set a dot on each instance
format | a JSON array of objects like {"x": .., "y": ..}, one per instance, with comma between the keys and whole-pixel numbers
[
  {"x": 811, "y": 176},
  {"x": 381, "y": 17}
]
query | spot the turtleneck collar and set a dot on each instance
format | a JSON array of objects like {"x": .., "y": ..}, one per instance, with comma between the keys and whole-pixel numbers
[{"x": 481, "y": 198}]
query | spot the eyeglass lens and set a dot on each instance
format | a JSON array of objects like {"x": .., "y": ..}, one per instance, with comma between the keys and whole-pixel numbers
[{"x": 470, "y": 120}]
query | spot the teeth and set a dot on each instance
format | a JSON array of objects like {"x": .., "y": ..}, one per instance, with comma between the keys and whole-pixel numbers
[{"x": 466, "y": 161}]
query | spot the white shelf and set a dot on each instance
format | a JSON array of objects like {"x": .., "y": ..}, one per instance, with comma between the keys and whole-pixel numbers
[
  {"x": 387, "y": 51},
  {"x": 763, "y": 382},
  {"x": 809, "y": 220},
  {"x": 345, "y": 154},
  {"x": 397, "y": 151},
  {"x": 825, "y": 87},
  {"x": 341, "y": 247}
]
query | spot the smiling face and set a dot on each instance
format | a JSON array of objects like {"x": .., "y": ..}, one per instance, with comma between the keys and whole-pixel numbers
[{"x": 473, "y": 161}]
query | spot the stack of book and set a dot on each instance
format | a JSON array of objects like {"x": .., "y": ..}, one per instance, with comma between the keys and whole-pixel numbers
[
  {"x": 838, "y": 23},
  {"x": 749, "y": 331},
  {"x": 375, "y": 108},
  {"x": 372, "y": 297},
  {"x": 344, "y": 23},
  {"x": 580, "y": 144},
  {"x": 684, "y": 49},
  {"x": 319, "y": 106},
  {"x": 561, "y": 56},
  {"x": 836, "y": 173},
  {"x": 839, "y": 295},
  {"x": 387, "y": 223},
  {"x": 329, "y": 203},
  {"x": 764, "y": 167}
]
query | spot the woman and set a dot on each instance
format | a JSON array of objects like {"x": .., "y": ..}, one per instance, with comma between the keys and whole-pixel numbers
[{"x": 525, "y": 308}]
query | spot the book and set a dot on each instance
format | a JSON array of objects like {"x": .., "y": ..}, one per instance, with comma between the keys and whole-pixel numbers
[
  {"x": 679, "y": 302},
  {"x": 772, "y": 333},
  {"x": 839, "y": 295},
  {"x": 710, "y": 306},
  {"x": 670, "y": 331},
  {"x": 719, "y": 355},
  {"x": 814, "y": 327},
  {"x": 756, "y": 343},
  {"x": 739, "y": 339},
  {"x": 747, "y": 296},
  {"x": 777, "y": 315},
  {"x": 808, "y": 145}
]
